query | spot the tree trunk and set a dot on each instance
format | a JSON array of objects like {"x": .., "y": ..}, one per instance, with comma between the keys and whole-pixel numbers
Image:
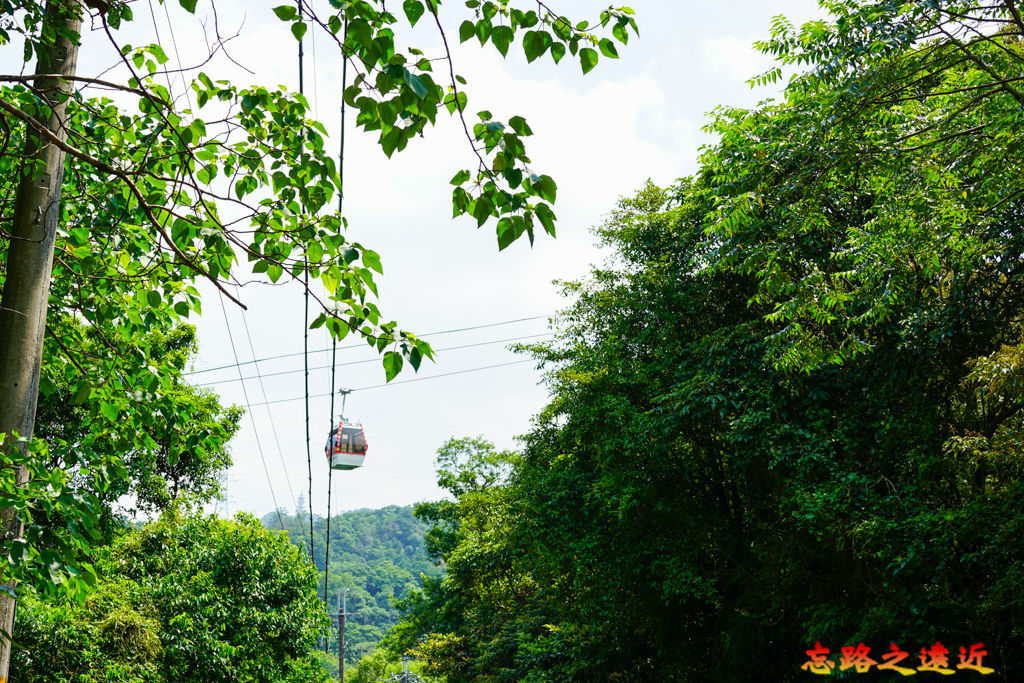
[{"x": 26, "y": 290}]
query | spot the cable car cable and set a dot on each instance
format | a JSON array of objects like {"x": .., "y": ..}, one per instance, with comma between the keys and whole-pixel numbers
[
  {"x": 309, "y": 456},
  {"x": 416, "y": 379},
  {"x": 273, "y": 423},
  {"x": 363, "y": 345},
  {"x": 305, "y": 331},
  {"x": 330, "y": 473},
  {"x": 334, "y": 340},
  {"x": 188, "y": 99},
  {"x": 373, "y": 360},
  {"x": 248, "y": 406}
]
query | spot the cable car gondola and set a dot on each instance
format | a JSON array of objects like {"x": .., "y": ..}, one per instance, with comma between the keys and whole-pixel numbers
[{"x": 346, "y": 446}]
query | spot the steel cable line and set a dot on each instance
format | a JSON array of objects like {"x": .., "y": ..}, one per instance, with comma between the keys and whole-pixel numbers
[
  {"x": 305, "y": 333},
  {"x": 330, "y": 477},
  {"x": 370, "y": 360},
  {"x": 248, "y": 406},
  {"x": 270, "y": 418},
  {"x": 409, "y": 381},
  {"x": 227, "y": 324},
  {"x": 334, "y": 349},
  {"x": 363, "y": 345}
]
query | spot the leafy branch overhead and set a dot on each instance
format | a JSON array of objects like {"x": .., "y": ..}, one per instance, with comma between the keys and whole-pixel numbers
[
  {"x": 918, "y": 109},
  {"x": 396, "y": 93},
  {"x": 231, "y": 184},
  {"x": 226, "y": 178}
]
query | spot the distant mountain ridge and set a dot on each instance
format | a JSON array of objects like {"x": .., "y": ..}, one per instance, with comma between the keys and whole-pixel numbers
[{"x": 378, "y": 555}]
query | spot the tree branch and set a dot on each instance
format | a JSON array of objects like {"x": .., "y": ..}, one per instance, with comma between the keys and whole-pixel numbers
[{"x": 100, "y": 165}]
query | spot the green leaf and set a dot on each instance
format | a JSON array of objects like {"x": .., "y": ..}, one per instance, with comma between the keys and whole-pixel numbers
[
  {"x": 502, "y": 37},
  {"x": 299, "y": 30},
  {"x": 535, "y": 44},
  {"x": 608, "y": 48},
  {"x": 392, "y": 364},
  {"x": 461, "y": 177},
  {"x": 413, "y": 10},
  {"x": 314, "y": 252},
  {"x": 189, "y": 5},
  {"x": 372, "y": 261},
  {"x": 518, "y": 124},
  {"x": 482, "y": 209},
  {"x": 588, "y": 59},
  {"x": 285, "y": 12},
  {"x": 483, "y": 30},
  {"x": 506, "y": 233},
  {"x": 620, "y": 33},
  {"x": 330, "y": 279},
  {"x": 466, "y": 30},
  {"x": 109, "y": 410},
  {"x": 82, "y": 394},
  {"x": 389, "y": 142},
  {"x": 546, "y": 217},
  {"x": 414, "y": 82},
  {"x": 557, "y": 52},
  {"x": 546, "y": 188}
]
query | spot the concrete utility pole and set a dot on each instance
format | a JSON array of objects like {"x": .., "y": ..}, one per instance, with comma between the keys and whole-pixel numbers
[
  {"x": 341, "y": 614},
  {"x": 30, "y": 260},
  {"x": 341, "y": 634}
]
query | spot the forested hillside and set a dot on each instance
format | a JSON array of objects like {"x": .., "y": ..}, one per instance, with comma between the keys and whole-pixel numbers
[{"x": 379, "y": 555}]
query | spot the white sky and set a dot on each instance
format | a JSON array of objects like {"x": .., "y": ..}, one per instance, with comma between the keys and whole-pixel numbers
[{"x": 600, "y": 136}]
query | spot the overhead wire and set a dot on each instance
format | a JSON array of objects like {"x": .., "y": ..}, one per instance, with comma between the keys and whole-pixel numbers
[
  {"x": 334, "y": 340},
  {"x": 316, "y": 98},
  {"x": 330, "y": 477},
  {"x": 410, "y": 381},
  {"x": 374, "y": 360},
  {"x": 177, "y": 55},
  {"x": 270, "y": 419},
  {"x": 363, "y": 345},
  {"x": 227, "y": 323},
  {"x": 305, "y": 333},
  {"x": 334, "y": 347},
  {"x": 248, "y": 408}
]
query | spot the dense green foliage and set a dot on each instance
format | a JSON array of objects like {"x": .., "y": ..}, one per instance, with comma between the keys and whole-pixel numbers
[
  {"x": 223, "y": 183},
  {"x": 383, "y": 665},
  {"x": 378, "y": 555},
  {"x": 174, "y": 444},
  {"x": 789, "y": 408},
  {"x": 181, "y": 599}
]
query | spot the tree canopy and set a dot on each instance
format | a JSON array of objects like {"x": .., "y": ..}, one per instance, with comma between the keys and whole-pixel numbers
[
  {"x": 227, "y": 183},
  {"x": 183, "y": 598},
  {"x": 788, "y": 409}
]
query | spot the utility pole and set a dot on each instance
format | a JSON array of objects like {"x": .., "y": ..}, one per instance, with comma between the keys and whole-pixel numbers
[
  {"x": 341, "y": 634},
  {"x": 30, "y": 262},
  {"x": 342, "y": 613},
  {"x": 407, "y": 676}
]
